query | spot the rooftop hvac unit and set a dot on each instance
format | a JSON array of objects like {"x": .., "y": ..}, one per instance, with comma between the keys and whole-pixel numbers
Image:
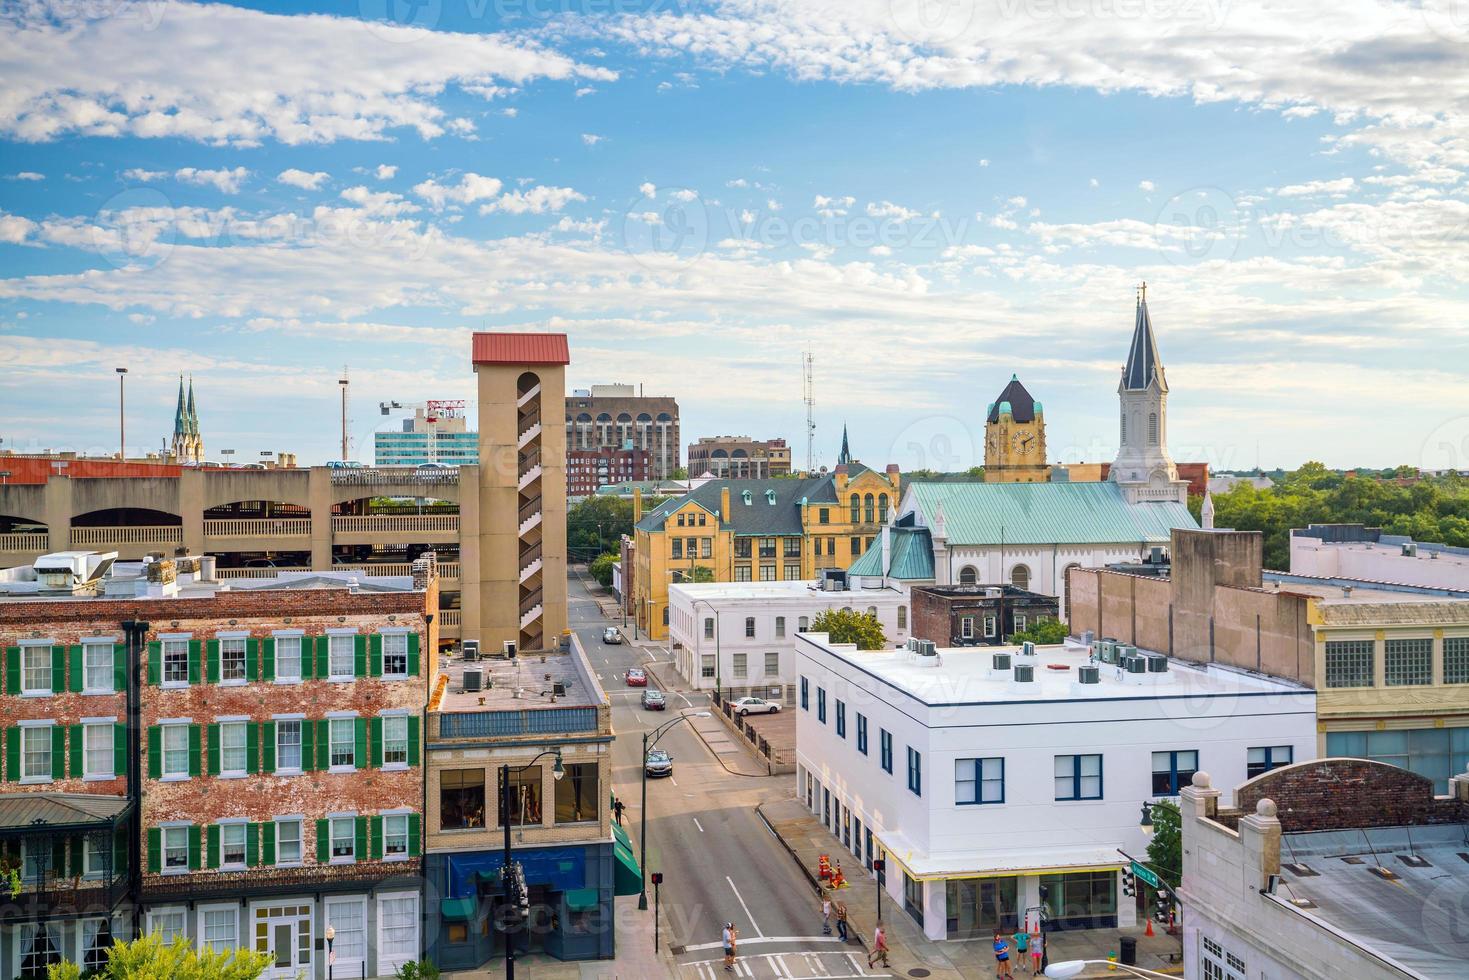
[
  {"x": 1105, "y": 650},
  {"x": 1155, "y": 555},
  {"x": 1087, "y": 636},
  {"x": 1000, "y": 661},
  {"x": 1027, "y": 649},
  {"x": 474, "y": 678},
  {"x": 1410, "y": 550},
  {"x": 1088, "y": 674},
  {"x": 558, "y": 689},
  {"x": 912, "y": 644},
  {"x": 1123, "y": 651},
  {"x": 1157, "y": 663},
  {"x": 1135, "y": 665},
  {"x": 926, "y": 648},
  {"x": 470, "y": 649},
  {"x": 1025, "y": 673}
]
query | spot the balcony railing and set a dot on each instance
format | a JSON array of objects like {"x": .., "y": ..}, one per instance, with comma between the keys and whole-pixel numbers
[
  {"x": 383, "y": 475},
  {"x": 227, "y": 573},
  {"x": 258, "y": 527},
  {"x": 24, "y": 542},
  {"x": 530, "y": 508},
  {"x": 140, "y": 534},
  {"x": 396, "y": 523},
  {"x": 523, "y": 721},
  {"x": 449, "y": 617}
]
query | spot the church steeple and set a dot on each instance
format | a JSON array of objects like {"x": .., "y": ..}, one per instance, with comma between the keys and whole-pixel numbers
[
  {"x": 193, "y": 413},
  {"x": 845, "y": 456},
  {"x": 180, "y": 419},
  {"x": 1143, "y": 362},
  {"x": 188, "y": 445},
  {"x": 1143, "y": 466}
]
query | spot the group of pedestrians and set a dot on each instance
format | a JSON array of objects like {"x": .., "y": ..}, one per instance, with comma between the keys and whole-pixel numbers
[
  {"x": 1028, "y": 948},
  {"x": 828, "y": 908}
]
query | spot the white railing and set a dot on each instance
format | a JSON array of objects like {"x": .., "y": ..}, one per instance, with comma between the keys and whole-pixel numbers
[
  {"x": 252, "y": 527},
  {"x": 142, "y": 534},
  {"x": 530, "y": 616},
  {"x": 386, "y": 476},
  {"x": 449, "y": 570},
  {"x": 380, "y": 569},
  {"x": 529, "y": 523},
  {"x": 449, "y": 617},
  {"x": 530, "y": 476},
  {"x": 525, "y": 437},
  {"x": 396, "y": 522},
  {"x": 534, "y": 391},
  {"x": 530, "y": 570},
  {"x": 224, "y": 573},
  {"x": 24, "y": 542}
]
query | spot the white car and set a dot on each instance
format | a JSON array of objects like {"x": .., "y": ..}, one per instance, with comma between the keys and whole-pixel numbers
[{"x": 755, "y": 706}]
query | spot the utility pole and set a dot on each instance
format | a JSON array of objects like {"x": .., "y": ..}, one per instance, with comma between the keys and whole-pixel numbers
[
  {"x": 344, "y": 384},
  {"x": 122, "y": 430},
  {"x": 809, "y": 396}
]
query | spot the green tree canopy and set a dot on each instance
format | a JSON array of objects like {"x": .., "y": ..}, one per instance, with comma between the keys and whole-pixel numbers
[
  {"x": 601, "y": 568},
  {"x": 1043, "y": 631},
  {"x": 850, "y": 626},
  {"x": 149, "y": 958},
  {"x": 595, "y": 525},
  {"x": 1165, "y": 849}
]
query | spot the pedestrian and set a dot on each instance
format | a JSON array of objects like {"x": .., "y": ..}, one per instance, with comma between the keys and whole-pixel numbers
[
  {"x": 879, "y": 946},
  {"x": 729, "y": 937},
  {"x": 1002, "y": 956},
  {"x": 842, "y": 920},
  {"x": 1037, "y": 951},
  {"x": 1022, "y": 952},
  {"x": 825, "y": 914}
]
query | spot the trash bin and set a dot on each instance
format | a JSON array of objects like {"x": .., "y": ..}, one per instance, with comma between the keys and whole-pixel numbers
[{"x": 1129, "y": 950}]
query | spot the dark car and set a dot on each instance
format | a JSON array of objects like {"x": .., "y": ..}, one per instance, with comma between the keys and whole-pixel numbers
[
  {"x": 654, "y": 700},
  {"x": 658, "y": 763}
]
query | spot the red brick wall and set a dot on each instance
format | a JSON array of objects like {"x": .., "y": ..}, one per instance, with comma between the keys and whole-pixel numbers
[
  {"x": 930, "y": 617},
  {"x": 1333, "y": 794}
]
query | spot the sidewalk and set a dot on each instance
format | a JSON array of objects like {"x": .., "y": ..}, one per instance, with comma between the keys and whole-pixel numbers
[
  {"x": 806, "y": 840},
  {"x": 635, "y": 958}
]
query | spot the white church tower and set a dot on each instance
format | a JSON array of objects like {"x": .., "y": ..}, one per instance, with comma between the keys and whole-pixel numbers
[{"x": 1143, "y": 467}]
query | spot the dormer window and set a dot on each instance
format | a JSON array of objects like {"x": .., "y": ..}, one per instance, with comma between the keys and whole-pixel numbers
[
  {"x": 745, "y": 495},
  {"x": 770, "y": 497}
]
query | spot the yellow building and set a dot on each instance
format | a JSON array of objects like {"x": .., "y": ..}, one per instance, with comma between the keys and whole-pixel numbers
[
  {"x": 756, "y": 531},
  {"x": 1015, "y": 438}
]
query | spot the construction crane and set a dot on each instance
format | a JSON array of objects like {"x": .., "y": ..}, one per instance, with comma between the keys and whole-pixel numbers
[{"x": 435, "y": 410}]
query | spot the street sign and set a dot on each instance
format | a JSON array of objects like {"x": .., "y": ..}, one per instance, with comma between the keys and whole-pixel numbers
[{"x": 1145, "y": 876}]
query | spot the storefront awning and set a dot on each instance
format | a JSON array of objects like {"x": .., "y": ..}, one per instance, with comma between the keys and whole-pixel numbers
[
  {"x": 628, "y": 877},
  {"x": 459, "y": 909},
  {"x": 582, "y": 900},
  {"x": 620, "y": 835}
]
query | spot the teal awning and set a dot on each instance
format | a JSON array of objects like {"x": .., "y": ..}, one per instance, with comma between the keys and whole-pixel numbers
[
  {"x": 628, "y": 877},
  {"x": 459, "y": 909},
  {"x": 582, "y": 900},
  {"x": 621, "y": 836}
]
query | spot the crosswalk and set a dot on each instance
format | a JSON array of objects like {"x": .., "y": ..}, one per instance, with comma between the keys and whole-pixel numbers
[{"x": 835, "y": 965}]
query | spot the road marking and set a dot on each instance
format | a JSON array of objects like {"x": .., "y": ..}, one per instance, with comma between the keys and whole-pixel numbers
[
  {"x": 699, "y": 825},
  {"x": 686, "y": 701},
  {"x": 765, "y": 939},
  {"x": 672, "y": 780},
  {"x": 753, "y": 924}
]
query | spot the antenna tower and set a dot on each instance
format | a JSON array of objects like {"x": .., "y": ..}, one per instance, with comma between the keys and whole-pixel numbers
[
  {"x": 809, "y": 396},
  {"x": 344, "y": 383}
]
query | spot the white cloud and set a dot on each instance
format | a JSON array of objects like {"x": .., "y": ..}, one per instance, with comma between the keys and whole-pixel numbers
[
  {"x": 26, "y": 175},
  {"x": 142, "y": 319},
  {"x": 510, "y": 113},
  {"x": 747, "y": 217},
  {"x": 737, "y": 182},
  {"x": 15, "y": 229},
  {"x": 880, "y": 250},
  {"x": 1016, "y": 201},
  {"x": 1335, "y": 188},
  {"x": 222, "y": 74},
  {"x": 1094, "y": 182},
  {"x": 471, "y": 187},
  {"x": 591, "y": 139},
  {"x": 887, "y": 209},
  {"x": 584, "y": 90},
  {"x": 138, "y": 173},
  {"x": 300, "y": 178},
  {"x": 1000, "y": 221},
  {"x": 224, "y": 181},
  {"x": 771, "y": 204},
  {"x": 648, "y": 189},
  {"x": 983, "y": 162},
  {"x": 833, "y": 207},
  {"x": 534, "y": 201},
  {"x": 385, "y": 171},
  {"x": 685, "y": 194},
  {"x": 1146, "y": 186}
]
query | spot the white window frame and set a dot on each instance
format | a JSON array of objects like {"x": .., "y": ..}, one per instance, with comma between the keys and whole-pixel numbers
[
  {"x": 168, "y": 910},
  {"x": 91, "y": 645},
  {"x": 331, "y": 727},
  {"x": 165, "y": 727},
  {"x": 395, "y": 635},
  {"x": 25, "y": 934},
  {"x": 243, "y": 639},
  {"x": 706, "y": 665},
  {"x": 170, "y": 643},
  {"x": 395, "y": 718},
  {"x": 387, "y": 963},
  {"x": 242, "y": 726},
  {"x": 333, "y": 638},
  {"x": 772, "y": 671},
  {"x": 244, "y": 831},
  {"x": 300, "y": 721},
  {"x": 90, "y": 725},
  {"x": 90, "y": 850},
  {"x": 350, "y": 819},
  {"x": 989, "y": 627},
  {"x": 295, "y": 637},
  {"x": 348, "y": 964},
  {"x": 28, "y": 648},
  {"x": 1020, "y": 622},
  {"x": 966, "y": 627},
  {"x": 224, "y": 946},
  {"x": 163, "y": 847},
  {"x": 740, "y": 665},
  {"x": 396, "y": 816},
  {"x": 300, "y": 821},
  {"x": 28, "y": 729}
]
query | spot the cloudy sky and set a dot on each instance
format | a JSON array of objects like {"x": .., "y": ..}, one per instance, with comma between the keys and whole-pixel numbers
[{"x": 931, "y": 195}]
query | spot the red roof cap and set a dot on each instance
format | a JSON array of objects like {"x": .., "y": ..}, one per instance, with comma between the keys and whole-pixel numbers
[{"x": 521, "y": 348}]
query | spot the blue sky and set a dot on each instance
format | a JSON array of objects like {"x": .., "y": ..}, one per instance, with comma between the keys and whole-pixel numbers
[{"x": 930, "y": 194}]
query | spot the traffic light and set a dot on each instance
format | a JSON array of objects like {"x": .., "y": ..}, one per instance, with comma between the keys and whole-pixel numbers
[
  {"x": 656, "y": 877},
  {"x": 1129, "y": 882},
  {"x": 879, "y": 864},
  {"x": 1163, "y": 903}
]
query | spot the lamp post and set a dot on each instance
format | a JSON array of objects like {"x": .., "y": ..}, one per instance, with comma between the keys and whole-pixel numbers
[
  {"x": 122, "y": 431},
  {"x": 1146, "y": 823},
  {"x": 331, "y": 956},
  {"x": 507, "y": 872},
  {"x": 650, "y": 739},
  {"x": 718, "y": 660}
]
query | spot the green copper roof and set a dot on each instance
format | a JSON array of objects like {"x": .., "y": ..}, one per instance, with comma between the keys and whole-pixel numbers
[
  {"x": 911, "y": 559},
  {"x": 1046, "y": 513}
]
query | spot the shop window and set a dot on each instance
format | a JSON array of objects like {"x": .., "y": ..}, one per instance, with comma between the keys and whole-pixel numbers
[
  {"x": 461, "y": 799},
  {"x": 576, "y": 793}
]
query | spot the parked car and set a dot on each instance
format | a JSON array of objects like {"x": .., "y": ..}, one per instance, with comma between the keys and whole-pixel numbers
[
  {"x": 612, "y": 635},
  {"x": 654, "y": 700},
  {"x": 635, "y": 677},
  {"x": 658, "y": 763},
  {"x": 755, "y": 706}
]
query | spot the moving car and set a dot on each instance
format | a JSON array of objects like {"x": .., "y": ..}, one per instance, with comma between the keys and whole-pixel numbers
[
  {"x": 612, "y": 635},
  {"x": 755, "y": 706},
  {"x": 654, "y": 700},
  {"x": 635, "y": 677},
  {"x": 658, "y": 763}
]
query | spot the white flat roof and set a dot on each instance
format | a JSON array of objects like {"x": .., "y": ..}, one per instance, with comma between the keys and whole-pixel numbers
[
  {"x": 713, "y": 591},
  {"x": 964, "y": 675}
]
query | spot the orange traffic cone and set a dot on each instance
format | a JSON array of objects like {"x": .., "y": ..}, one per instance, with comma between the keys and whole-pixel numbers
[{"x": 1150, "y": 926}]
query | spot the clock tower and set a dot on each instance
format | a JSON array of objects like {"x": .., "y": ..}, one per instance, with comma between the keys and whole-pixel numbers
[{"x": 1015, "y": 438}]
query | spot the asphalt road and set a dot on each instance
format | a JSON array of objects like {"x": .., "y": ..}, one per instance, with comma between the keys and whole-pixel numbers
[{"x": 720, "y": 862}]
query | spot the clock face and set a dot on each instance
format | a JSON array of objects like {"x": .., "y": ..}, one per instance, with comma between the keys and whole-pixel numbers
[{"x": 1023, "y": 442}]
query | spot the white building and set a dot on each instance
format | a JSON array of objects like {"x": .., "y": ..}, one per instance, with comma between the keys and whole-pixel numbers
[
  {"x": 980, "y": 786},
  {"x": 741, "y": 636},
  {"x": 1352, "y": 551}
]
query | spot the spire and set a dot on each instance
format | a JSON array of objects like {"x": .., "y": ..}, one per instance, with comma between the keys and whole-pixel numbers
[
  {"x": 193, "y": 415},
  {"x": 1207, "y": 511},
  {"x": 1143, "y": 362},
  {"x": 845, "y": 456},
  {"x": 180, "y": 420},
  {"x": 1022, "y": 405}
]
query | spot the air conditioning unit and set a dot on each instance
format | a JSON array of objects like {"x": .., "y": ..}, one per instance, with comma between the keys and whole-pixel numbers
[
  {"x": 1107, "y": 651},
  {"x": 1087, "y": 636},
  {"x": 1135, "y": 665},
  {"x": 1027, "y": 649},
  {"x": 912, "y": 644},
  {"x": 1157, "y": 663},
  {"x": 470, "y": 650},
  {"x": 1025, "y": 673},
  {"x": 1000, "y": 661},
  {"x": 1088, "y": 674},
  {"x": 926, "y": 648},
  {"x": 474, "y": 678}
]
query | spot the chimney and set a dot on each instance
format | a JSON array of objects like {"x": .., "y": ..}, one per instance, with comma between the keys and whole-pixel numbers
[
  {"x": 206, "y": 568},
  {"x": 637, "y": 504},
  {"x": 894, "y": 476},
  {"x": 841, "y": 477},
  {"x": 724, "y": 514},
  {"x": 887, "y": 549}
]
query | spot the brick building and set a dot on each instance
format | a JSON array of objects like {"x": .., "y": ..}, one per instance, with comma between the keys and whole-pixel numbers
[
  {"x": 588, "y": 470},
  {"x": 270, "y": 787},
  {"x": 616, "y": 415},
  {"x": 739, "y": 457},
  {"x": 976, "y": 615}
]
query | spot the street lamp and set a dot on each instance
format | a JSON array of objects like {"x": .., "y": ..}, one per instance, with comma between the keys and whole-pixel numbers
[
  {"x": 122, "y": 432},
  {"x": 1146, "y": 823},
  {"x": 507, "y": 872},
  {"x": 650, "y": 739},
  {"x": 1070, "y": 968},
  {"x": 331, "y": 957},
  {"x": 718, "y": 664}
]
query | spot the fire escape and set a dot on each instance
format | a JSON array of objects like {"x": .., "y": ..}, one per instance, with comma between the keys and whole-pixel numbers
[{"x": 528, "y": 479}]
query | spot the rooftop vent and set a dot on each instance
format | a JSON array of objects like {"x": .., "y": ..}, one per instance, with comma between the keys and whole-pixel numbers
[
  {"x": 1301, "y": 870},
  {"x": 1088, "y": 674},
  {"x": 1027, "y": 649},
  {"x": 474, "y": 678},
  {"x": 1000, "y": 661},
  {"x": 1414, "y": 861},
  {"x": 1135, "y": 665},
  {"x": 1024, "y": 673},
  {"x": 926, "y": 648},
  {"x": 1387, "y": 874}
]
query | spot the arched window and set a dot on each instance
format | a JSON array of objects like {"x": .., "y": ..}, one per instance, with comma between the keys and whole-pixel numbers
[
  {"x": 868, "y": 514},
  {"x": 856, "y": 509},
  {"x": 1152, "y": 428},
  {"x": 882, "y": 508},
  {"x": 967, "y": 575},
  {"x": 1020, "y": 577},
  {"x": 902, "y": 617}
]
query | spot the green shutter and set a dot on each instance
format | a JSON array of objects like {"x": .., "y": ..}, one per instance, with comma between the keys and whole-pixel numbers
[
  {"x": 12, "y": 754},
  {"x": 214, "y": 750},
  {"x": 252, "y": 845},
  {"x": 375, "y": 658},
  {"x": 74, "y": 664},
  {"x": 359, "y": 742},
  {"x": 308, "y": 747},
  {"x": 119, "y": 667},
  {"x": 211, "y": 670},
  {"x": 359, "y": 846},
  {"x": 376, "y": 727},
  {"x": 194, "y": 848},
  {"x": 415, "y": 830},
  {"x": 413, "y": 740},
  {"x": 211, "y": 853},
  {"x": 155, "y": 850},
  {"x": 412, "y": 654},
  {"x": 308, "y": 658},
  {"x": 267, "y": 659},
  {"x": 194, "y": 734},
  {"x": 323, "y": 842},
  {"x": 323, "y": 744},
  {"x": 155, "y": 752},
  {"x": 12, "y": 670},
  {"x": 359, "y": 656},
  {"x": 58, "y": 751},
  {"x": 75, "y": 735},
  {"x": 194, "y": 657},
  {"x": 58, "y": 669},
  {"x": 252, "y": 659},
  {"x": 267, "y": 747},
  {"x": 155, "y": 663},
  {"x": 323, "y": 662},
  {"x": 119, "y": 749},
  {"x": 377, "y": 838},
  {"x": 267, "y": 843},
  {"x": 252, "y": 748}
]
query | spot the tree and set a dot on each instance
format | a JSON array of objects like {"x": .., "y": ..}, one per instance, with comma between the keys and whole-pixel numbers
[
  {"x": 598, "y": 523},
  {"x": 679, "y": 473},
  {"x": 601, "y": 568},
  {"x": 1045, "y": 630},
  {"x": 850, "y": 626},
  {"x": 1165, "y": 850},
  {"x": 148, "y": 958}
]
